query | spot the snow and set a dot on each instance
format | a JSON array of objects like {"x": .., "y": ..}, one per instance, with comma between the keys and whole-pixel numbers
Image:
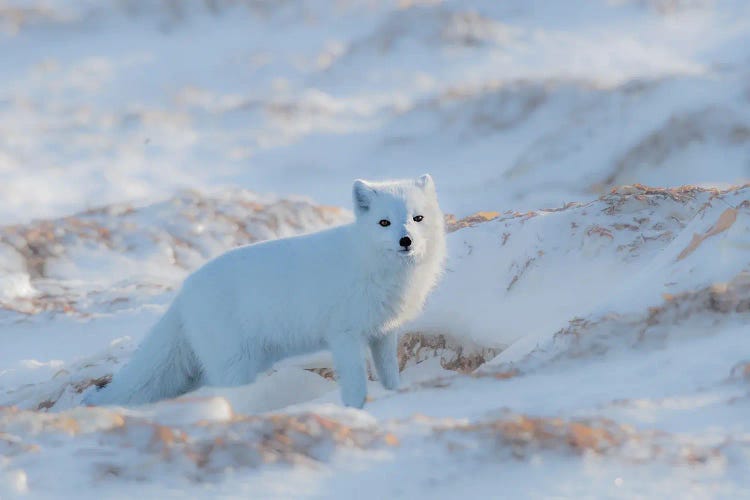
[
  {"x": 588, "y": 339},
  {"x": 543, "y": 103}
]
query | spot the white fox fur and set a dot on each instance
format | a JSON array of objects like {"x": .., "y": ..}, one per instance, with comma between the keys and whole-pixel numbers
[{"x": 341, "y": 289}]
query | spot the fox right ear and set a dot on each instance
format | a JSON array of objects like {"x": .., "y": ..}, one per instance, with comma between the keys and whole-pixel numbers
[
  {"x": 362, "y": 195},
  {"x": 425, "y": 182}
]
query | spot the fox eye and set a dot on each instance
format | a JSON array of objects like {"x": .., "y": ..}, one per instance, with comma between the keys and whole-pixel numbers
[
  {"x": 418, "y": 218},
  {"x": 384, "y": 222}
]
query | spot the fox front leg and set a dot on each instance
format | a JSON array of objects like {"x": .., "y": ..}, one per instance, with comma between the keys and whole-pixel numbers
[
  {"x": 349, "y": 362},
  {"x": 384, "y": 350}
]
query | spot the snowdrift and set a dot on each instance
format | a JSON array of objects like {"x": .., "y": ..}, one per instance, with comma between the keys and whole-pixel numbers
[{"x": 604, "y": 341}]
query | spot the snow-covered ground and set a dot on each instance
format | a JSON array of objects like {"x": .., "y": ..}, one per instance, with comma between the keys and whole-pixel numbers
[{"x": 589, "y": 338}]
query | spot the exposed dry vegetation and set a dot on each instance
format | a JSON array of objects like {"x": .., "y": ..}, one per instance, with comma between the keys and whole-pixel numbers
[
  {"x": 522, "y": 436},
  {"x": 136, "y": 448},
  {"x": 456, "y": 355}
]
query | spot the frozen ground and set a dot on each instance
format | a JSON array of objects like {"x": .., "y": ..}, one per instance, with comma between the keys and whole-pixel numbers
[
  {"x": 598, "y": 348},
  {"x": 626, "y": 372}
]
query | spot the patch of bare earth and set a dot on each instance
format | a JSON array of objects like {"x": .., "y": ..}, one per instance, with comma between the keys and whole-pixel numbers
[
  {"x": 522, "y": 436},
  {"x": 208, "y": 450},
  {"x": 457, "y": 355},
  {"x": 118, "y": 446},
  {"x": 452, "y": 224},
  {"x": 136, "y": 448}
]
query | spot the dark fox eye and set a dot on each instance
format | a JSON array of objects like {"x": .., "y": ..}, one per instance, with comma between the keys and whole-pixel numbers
[
  {"x": 418, "y": 218},
  {"x": 384, "y": 222}
]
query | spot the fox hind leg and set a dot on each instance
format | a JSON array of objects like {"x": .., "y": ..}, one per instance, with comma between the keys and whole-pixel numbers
[{"x": 349, "y": 362}]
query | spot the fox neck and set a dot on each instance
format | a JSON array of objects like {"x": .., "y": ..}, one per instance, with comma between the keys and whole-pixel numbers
[{"x": 395, "y": 285}]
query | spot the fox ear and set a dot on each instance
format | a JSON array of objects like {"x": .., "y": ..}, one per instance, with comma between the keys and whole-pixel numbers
[
  {"x": 362, "y": 194},
  {"x": 425, "y": 182}
]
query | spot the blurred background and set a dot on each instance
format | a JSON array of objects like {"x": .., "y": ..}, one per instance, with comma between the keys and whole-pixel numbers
[{"x": 516, "y": 104}]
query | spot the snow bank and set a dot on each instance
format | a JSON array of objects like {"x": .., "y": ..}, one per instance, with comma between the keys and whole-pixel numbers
[
  {"x": 617, "y": 328},
  {"x": 525, "y": 275},
  {"x": 102, "y": 259}
]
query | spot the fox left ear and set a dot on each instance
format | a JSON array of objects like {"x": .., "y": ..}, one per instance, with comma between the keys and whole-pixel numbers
[
  {"x": 362, "y": 194},
  {"x": 425, "y": 182}
]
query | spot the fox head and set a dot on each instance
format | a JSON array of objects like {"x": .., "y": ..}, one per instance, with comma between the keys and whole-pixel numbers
[{"x": 402, "y": 218}]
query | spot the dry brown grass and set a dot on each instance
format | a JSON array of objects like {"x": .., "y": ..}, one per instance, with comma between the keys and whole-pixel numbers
[
  {"x": 522, "y": 436},
  {"x": 452, "y": 224},
  {"x": 459, "y": 356}
]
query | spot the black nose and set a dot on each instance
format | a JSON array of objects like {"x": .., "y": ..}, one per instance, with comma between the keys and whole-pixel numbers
[{"x": 405, "y": 242}]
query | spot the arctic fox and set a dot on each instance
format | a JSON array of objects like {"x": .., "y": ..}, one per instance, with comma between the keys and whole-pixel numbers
[{"x": 342, "y": 289}]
